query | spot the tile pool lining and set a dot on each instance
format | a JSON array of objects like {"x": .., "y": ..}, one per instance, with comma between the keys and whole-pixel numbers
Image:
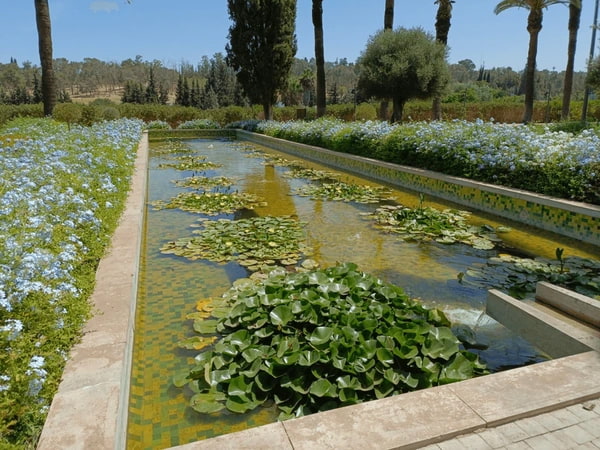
[{"x": 89, "y": 410}]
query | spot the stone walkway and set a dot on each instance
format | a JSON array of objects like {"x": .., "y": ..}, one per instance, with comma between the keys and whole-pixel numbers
[{"x": 574, "y": 427}]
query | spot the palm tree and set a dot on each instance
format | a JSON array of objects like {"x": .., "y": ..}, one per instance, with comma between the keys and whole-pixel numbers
[
  {"x": 442, "y": 27},
  {"x": 388, "y": 24},
  {"x": 574, "y": 19},
  {"x": 317, "y": 18},
  {"x": 42, "y": 17},
  {"x": 534, "y": 26}
]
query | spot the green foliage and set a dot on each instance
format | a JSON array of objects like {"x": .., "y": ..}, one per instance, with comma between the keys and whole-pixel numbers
[
  {"x": 318, "y": 340},
  {"x": 519, "y": 276},
  {"x": 424, "y": 224},
  {"x": 346, "y": 192},
  {"x": 253, "y": 243},
  {"x": 210, "y": 203},
  {"x": 158, "y": 125},
  {"x": 401, "y": 65},
  {"x": 198, "y": 124},
  {"x": 68, "y": 112},
  {"x": 263, "y": 67},
  {"x": 365, "y": 111}
]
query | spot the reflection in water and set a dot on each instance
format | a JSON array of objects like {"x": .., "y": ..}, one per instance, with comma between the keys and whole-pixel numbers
[{"x": 169, "y": 286}]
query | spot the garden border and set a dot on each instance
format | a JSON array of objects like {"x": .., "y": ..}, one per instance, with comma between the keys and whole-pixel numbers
[
  {"x": 576, "y": 220},
  {"x": 90, "y": 409}
]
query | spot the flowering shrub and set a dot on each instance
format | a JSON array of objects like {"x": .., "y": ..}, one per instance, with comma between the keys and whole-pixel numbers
[
  {"x": 199, "y": 124},
  {"x": 158, "y": 125},
  {"x": 554, "y": 163},
  {"x": 61, "y": 193}
]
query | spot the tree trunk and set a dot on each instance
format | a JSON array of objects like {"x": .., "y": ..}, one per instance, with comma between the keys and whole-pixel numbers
[
  {"x": 268, "y": 111},
  {"x": 42, "y": 16},
  {"x": 398, "y": 110},
  {"x": 388, "y": 24},
  {"x": 534, "y": 26},
  {"x": 574, "y": 19},
  {"x": 317, "y": 17},
  {"x": 388, "y": 15}
]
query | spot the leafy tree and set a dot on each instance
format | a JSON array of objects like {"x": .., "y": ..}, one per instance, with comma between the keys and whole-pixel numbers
[
  {"x": 261, "y": 48},
  {"x": 534, "y": 26},
  {"x": 42, "y": 17},
  {"x": 37, "y": 90},
  {"x": 401, "y": 65},
  {"x": 317, "y": 18},
  {"x": 574, "y": 20},
  {"x": 442, "y": 27}
]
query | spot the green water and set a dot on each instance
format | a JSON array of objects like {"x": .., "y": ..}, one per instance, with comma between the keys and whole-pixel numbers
[{"x": 170, "y": 286}]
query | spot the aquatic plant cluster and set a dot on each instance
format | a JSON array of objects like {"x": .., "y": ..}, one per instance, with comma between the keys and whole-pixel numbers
[
  {"x": 534, "y": 158},
  {"x": 318, "y": 340},
  {"x": 61, "y": 193}
]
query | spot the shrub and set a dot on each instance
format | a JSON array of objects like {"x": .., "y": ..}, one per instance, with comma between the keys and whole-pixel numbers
[
  {"x": 69, "y": 113},
  {"x": 158, "y": 125},
  {"x": 198, "y": 124}
]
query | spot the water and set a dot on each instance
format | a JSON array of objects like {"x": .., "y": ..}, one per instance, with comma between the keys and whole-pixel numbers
[{"x": 170, "y": 286}]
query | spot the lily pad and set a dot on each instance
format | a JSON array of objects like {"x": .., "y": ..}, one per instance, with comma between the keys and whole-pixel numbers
[
  {"x": 203, "y": 182},
  {"x": 253, "y": 242},
  {"x": 424, "y": 224},
  {"x": 346, "y": 192},
  {"x": 210, "y": 203}
]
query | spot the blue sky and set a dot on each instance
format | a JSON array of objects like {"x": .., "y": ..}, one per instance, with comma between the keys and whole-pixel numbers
[{"x": 185, "y": 30}]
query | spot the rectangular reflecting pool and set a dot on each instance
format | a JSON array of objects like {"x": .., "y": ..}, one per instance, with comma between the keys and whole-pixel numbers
[{"x": 337, "y": 231}]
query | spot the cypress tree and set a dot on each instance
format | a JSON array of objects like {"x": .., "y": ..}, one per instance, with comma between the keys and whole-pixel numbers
[{"x": 262, "y": 46}]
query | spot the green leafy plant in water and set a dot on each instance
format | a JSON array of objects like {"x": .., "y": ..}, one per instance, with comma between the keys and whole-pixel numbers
[
  {"x": 519, "y": 276},
  {"x": 210, "y": 203},
  {"x": 310, "y": 174},
  {"x": 203, "y": 182},
  {"x": 347, "y": 192},
  {"x": 319, "y": 340},
  {"x": 170, "y": 146},
  {"x": 423, "y": 224},
  {"x": 253, "y": 242},
  {"x": 190, "y": 163}
]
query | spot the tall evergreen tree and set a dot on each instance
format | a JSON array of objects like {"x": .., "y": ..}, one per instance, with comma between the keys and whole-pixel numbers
[
  {"x": 261, "y": 48},
  {"x": 442, "y": 27},
  {"x": 42, "y": 16},
  {"x": 317, "y": 18},
  {"x": 151, "y": 94},
  {"x": 388, "y": 24}
]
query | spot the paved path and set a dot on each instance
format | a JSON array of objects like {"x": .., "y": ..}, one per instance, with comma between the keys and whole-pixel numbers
[{"x": 574, "y": 427}]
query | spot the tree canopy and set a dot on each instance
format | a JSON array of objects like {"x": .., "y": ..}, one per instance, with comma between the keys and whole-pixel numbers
[
  {"x": 401, "y": 65},
  {"x": 262, "y": 46}
]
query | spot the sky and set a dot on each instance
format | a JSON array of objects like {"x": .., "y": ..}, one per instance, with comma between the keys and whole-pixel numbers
[{"x": 179, "y": 31}]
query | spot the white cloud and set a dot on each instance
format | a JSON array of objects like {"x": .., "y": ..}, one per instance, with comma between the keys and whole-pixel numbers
[{"x": 104, "y": 6}]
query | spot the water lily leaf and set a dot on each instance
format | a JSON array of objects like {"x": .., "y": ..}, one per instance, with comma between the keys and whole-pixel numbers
[
  {"x": 320, "y": 335},
  {"x": 197, "y": 342},
  {"x": 208, "y": 326},
  {"x": 323, "y": 388},
  {"x": 281, "y": 315},
  {"x": 240, "y": 404},
  {"x": 208, "y": 403},
  {"x": 308, "y": 358},
  {"x": 181, "y": 379},
  {"x": 238, "y": 386}
]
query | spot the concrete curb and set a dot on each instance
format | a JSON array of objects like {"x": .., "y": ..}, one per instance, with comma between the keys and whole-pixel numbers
[{"x": 89, "y": 410}]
